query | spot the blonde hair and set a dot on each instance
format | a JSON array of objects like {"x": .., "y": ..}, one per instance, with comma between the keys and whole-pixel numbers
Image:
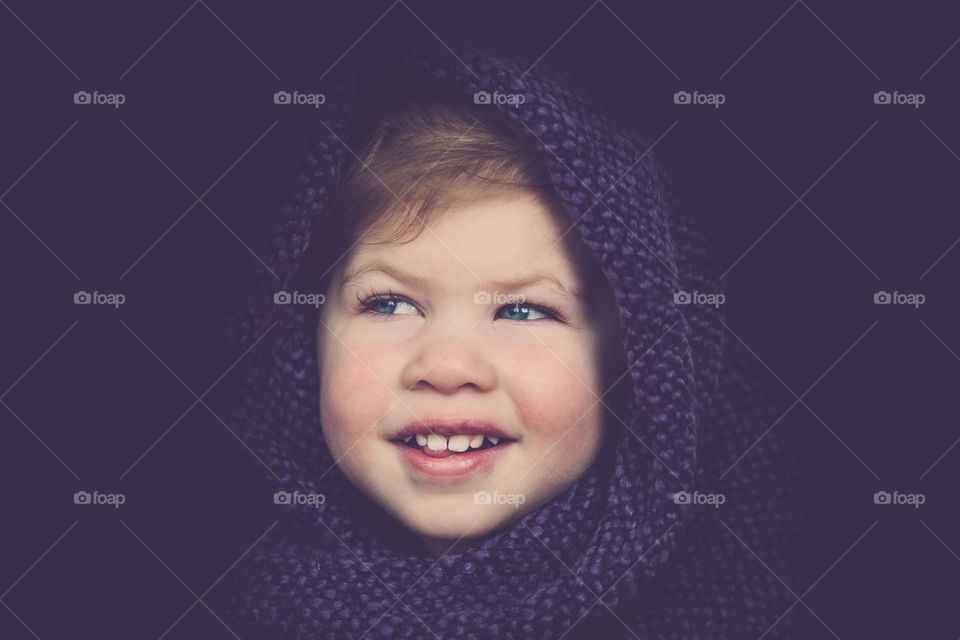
[{"x": 428, "y": 152}]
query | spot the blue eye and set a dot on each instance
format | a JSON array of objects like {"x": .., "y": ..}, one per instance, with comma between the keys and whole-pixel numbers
[
  {"x": 523, "y": 310},
  {"x": 385, "y": 305}
]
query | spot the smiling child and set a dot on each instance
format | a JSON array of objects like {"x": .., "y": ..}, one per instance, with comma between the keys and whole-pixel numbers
[{"x": 506, "y": 403}]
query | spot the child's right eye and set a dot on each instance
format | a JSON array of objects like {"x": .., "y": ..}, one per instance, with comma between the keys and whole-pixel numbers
[{"x": 385, "y": 305}]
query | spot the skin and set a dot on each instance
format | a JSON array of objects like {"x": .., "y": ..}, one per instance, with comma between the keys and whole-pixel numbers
[{"x": 436, "y": 351}]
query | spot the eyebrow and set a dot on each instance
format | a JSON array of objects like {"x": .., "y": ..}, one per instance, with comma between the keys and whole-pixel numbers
[{"x": 417, "y": 281}]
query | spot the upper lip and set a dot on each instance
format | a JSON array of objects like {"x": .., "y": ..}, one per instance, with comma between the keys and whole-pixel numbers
[{"x": 451, "y": 427}]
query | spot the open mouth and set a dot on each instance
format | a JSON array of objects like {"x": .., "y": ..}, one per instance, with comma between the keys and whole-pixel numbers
[
  {"x": 436, "y": 445},
  {"x": 434, "y": 457}
]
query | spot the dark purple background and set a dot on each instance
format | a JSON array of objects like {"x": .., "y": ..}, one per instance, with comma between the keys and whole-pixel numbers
[{"x": 86, "y": 200}]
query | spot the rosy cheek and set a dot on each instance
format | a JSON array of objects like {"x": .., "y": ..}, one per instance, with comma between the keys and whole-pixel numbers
[
  {"x": 353, "y": 395},
  {"x": 556, "y": 398},
  {"x": 557, "y": 375}
]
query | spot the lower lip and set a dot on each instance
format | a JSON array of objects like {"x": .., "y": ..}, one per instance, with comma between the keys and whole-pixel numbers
[{"x": 455, "y": 465}]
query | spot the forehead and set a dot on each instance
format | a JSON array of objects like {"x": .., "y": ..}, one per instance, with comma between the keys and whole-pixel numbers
[{"x": 496, "y": 239}]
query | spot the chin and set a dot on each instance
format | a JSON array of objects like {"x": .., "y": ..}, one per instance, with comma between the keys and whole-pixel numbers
[{"x": 446, "y": 523}]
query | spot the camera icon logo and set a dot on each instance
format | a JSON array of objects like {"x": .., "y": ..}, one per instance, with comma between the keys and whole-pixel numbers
[
  {"x": 481, "y": 497},
  {"x": 881, "y": 497},
  {"x": 681, "y": 297},
  {"x": 681, "y": 497},
  {"x": 81, "y": 97},
  {"x": 881, "y": 97},
  {"x": 681, "y": 97},
  {"x": 281, "y": 497},
  {"x": 81, "y": 297},
  {"x": 481, "y": 97},
  {"x": 81, "y": 497},
  {"x": 481, "y": 297},
  {"x": 882, "y": 297},
  {"x": 281, "y": 97},
  {"x": 281, "y": 297}
]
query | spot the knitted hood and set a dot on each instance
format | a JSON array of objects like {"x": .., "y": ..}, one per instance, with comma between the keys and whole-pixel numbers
[{"x": 618, "y": 554}]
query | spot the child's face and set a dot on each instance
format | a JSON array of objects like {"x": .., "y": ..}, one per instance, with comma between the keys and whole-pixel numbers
[{"x": 440, "y": 349}]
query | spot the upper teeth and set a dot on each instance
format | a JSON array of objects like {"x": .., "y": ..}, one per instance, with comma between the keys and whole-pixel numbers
[{"x": 458, "y": 443}]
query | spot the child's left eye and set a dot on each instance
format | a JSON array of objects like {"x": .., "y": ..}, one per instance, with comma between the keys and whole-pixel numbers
[{"x": 525, "y": 310}]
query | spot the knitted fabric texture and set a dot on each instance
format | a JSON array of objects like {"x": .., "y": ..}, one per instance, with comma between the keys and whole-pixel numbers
[{"x": 615, "y": 555}]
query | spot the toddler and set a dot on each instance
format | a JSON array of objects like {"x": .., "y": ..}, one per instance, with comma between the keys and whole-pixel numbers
[
  {"x": 503, "y": 402},
  {"x": 463, "y": 339}
]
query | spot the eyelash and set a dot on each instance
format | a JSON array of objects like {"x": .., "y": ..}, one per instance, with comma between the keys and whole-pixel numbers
[{"x": 365, "y": 304}]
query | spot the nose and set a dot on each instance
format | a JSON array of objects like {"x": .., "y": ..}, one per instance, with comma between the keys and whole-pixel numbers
[{"x": 450, "y": 358}]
